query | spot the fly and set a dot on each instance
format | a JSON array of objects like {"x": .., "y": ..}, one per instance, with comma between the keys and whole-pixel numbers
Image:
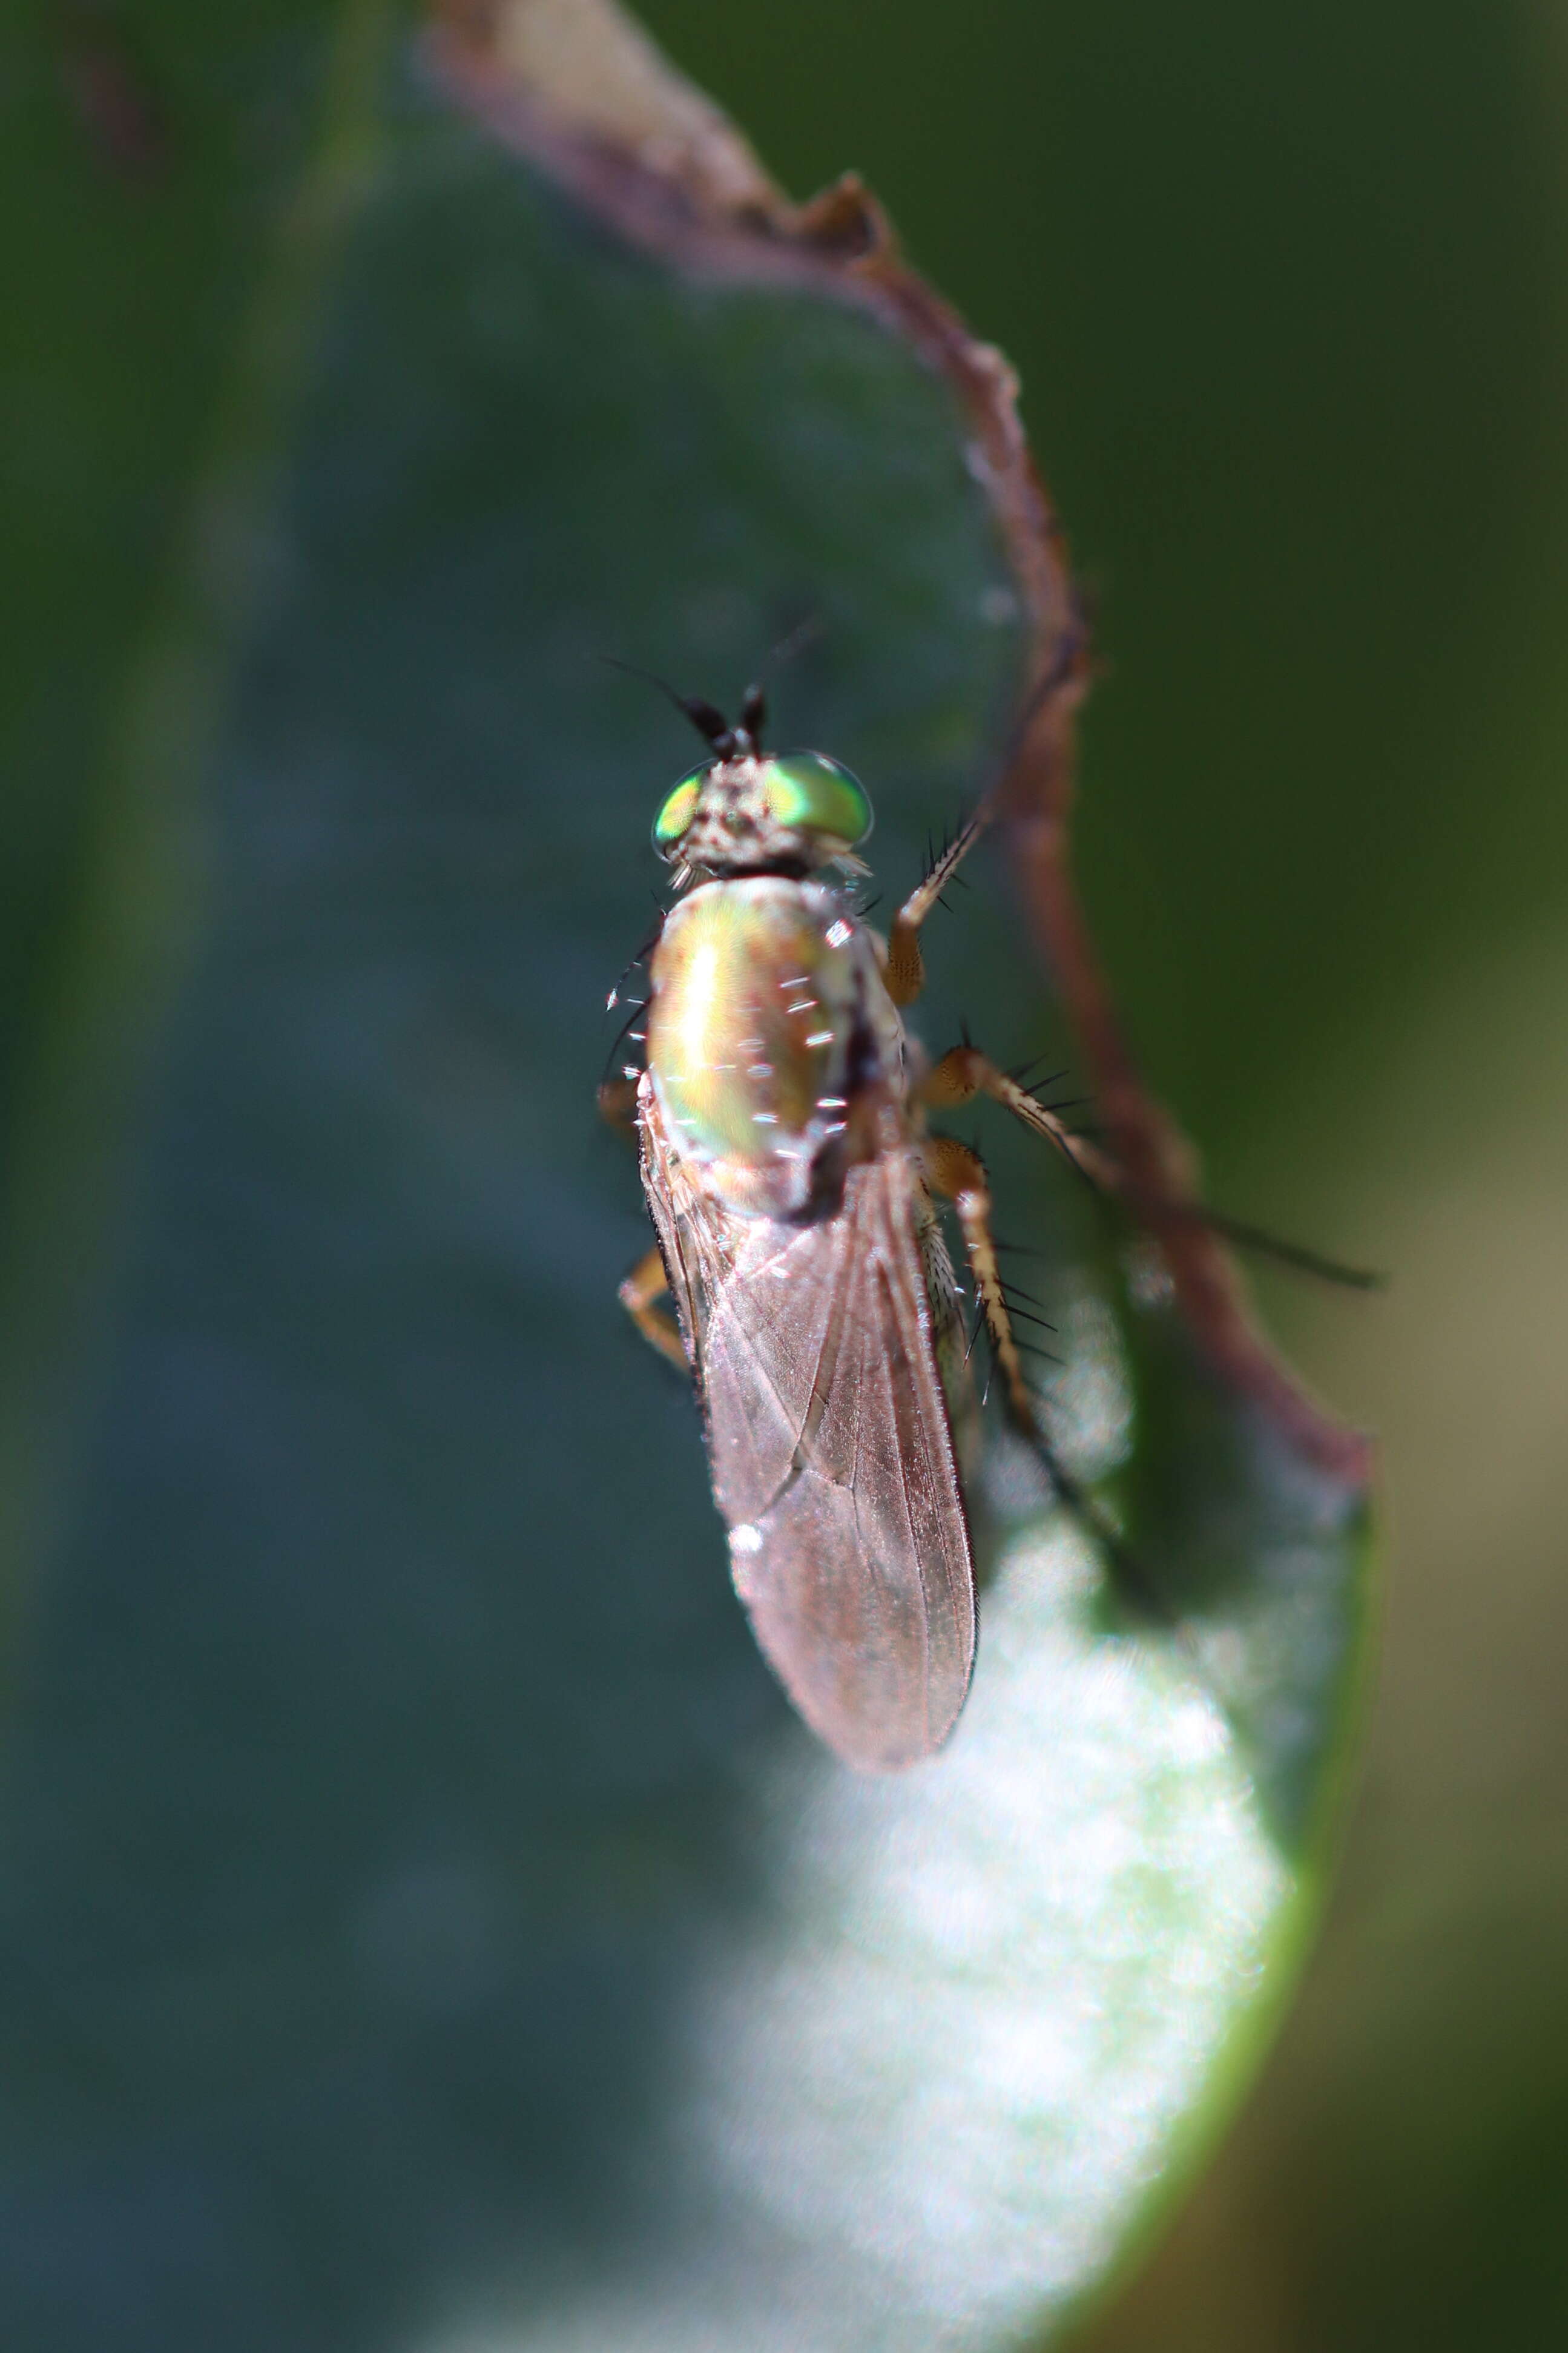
[{"x": 793, "y": 1182}]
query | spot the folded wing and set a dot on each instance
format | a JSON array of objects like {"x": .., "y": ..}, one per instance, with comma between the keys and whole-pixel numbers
[{"x": 829, "y": 1447}]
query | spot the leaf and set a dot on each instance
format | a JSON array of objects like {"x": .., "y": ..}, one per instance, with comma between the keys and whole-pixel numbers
[{"x": 425, "y": 1921}]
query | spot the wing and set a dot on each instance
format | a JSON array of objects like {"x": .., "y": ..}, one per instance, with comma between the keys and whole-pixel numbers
[{"x": 829, "y": 1447}]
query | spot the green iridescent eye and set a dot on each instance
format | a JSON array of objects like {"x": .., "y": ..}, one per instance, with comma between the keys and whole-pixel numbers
[
  {"x": 812, "y": 794},
  {"x": 678, "y": 810}
]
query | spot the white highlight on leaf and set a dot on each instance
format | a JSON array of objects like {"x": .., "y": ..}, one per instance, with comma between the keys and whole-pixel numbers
[{"x": 918, "y": 2093}]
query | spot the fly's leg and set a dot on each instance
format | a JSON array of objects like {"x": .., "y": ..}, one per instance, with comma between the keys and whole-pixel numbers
[
  {"x": 617, "y": 1104},
  {"x": 906, "y": 964},
  {"x": 645, "y": 1286},
  {"x": 966, "y": 1073},
  {"x": 959, "y": 1176}
]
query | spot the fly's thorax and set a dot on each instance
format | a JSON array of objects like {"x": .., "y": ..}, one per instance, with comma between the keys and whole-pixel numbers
[{"x": 769, "y": 1025}]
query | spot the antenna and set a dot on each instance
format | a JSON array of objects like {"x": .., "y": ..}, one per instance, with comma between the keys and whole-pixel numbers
[{"x": 709, "y": 723}]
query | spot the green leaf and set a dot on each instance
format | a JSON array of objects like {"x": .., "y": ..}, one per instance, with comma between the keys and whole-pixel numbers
[{"x": 425, "y": 1921}]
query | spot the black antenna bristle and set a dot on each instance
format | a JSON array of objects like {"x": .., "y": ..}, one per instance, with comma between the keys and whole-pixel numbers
[{"x": 709, "y": 722}]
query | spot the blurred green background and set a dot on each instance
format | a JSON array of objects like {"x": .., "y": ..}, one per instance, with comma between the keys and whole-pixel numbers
[{"x": 1288, "y": 292}]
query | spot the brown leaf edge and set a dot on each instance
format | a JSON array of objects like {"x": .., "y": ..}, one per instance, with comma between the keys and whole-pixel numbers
[{"x": 580, "y": 90}]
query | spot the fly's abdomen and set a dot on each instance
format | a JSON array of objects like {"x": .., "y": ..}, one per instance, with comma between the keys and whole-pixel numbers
[{"x": 759, "y": 993}]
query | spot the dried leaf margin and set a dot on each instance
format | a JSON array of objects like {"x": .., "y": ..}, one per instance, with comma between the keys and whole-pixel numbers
[{"x": 580, "y": 90}]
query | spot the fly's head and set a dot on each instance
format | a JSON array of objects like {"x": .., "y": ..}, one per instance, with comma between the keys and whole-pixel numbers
[{"x": 748, "y": 811}]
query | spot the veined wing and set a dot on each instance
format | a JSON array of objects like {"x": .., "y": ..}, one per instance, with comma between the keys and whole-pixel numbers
[{"x": 829, "y": 1447}]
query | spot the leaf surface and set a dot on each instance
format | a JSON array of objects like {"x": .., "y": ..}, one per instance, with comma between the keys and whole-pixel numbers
[{"x": 424, "y": 1919}]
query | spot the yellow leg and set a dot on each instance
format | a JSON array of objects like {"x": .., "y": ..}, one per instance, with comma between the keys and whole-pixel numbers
[
  {"x": 958, "y": 1175},
  {"x": 617, "y": 1104},
  {"x": 647, "y": 1284},
  {"x": 966, "y": 1073},
  {"x": 906, "y": 964}
]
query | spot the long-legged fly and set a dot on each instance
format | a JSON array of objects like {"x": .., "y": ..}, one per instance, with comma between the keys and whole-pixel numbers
[{"x": 793, "y": 1180}]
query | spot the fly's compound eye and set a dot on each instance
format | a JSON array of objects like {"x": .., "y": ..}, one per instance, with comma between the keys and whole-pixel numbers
[
  {"x": 808, "y": 793},
  {"x": 680, "y": 807}
]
